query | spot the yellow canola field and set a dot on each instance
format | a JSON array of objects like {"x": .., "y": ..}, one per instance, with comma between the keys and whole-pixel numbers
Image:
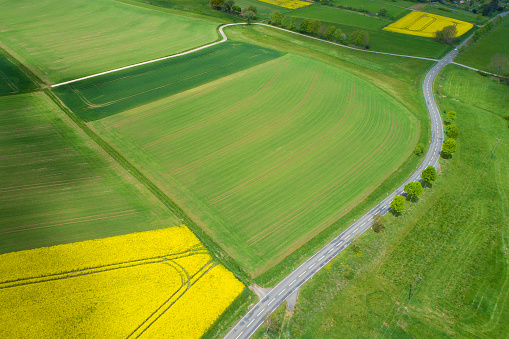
[
  {"x": 291, "y": 4},
  {"x": 426, "y": 24},
  {"x": 119, "y": 287}
]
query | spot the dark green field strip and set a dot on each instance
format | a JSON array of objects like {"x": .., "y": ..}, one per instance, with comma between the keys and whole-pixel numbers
[
  {"x": 269, "y": 156},
  {"x": 96, "y": 98},
  {"x": 12, "y": 79},
  {"x": 55, "y": 188}
]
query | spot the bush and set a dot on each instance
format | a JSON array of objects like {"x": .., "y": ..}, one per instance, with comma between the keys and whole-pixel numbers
[{"x": 419, "y": 148}]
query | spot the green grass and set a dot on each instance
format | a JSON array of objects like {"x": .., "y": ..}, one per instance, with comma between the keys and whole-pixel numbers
[
  {"x": 65, "y": 40},
  {"x": 12, "y": 78},
  {"x": 454, "y": 13},
  {"x": 57, "y": 187},
  {"x": 96, "y": 98},
  {"x": 339, "y": 16},
  {"x": 393, "y": 8},
  {"x": 455, "y": 238},
  {"x": 480, "y": 53},
  {"x": 245, "y": 155}
]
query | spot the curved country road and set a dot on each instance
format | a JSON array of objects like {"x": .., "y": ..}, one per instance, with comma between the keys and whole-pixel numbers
[{"x": 276, "y": 296}]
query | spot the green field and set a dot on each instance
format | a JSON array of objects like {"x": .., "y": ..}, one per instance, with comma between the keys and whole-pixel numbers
[
  {"x": 65, "y": 40},
  {"x": 480, "y": 53},
  {"x": 12, "y": 79},
  {"x": 393, "y": 8},
  {"x": 56, "y": 187},
  {"x": 245, "y": 155},
  {"x": 338, "y": 16},
  {"x": 140, "y": 85},
  {"x": 456, "y": 239},
  {"x": 458, "y": 14}
]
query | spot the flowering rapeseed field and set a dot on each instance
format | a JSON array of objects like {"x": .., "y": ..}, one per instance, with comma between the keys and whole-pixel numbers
[
  {"x": 291, "y": 4},
  {"x": 155, "y": 284},
  {"x": 426, "y": 24}
]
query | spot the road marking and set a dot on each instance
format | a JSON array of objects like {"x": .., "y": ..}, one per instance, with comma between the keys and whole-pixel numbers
[
  {"x": 284, "y": 289},
  {"x": 321, "y": 257},
  {"x": 338, "y": 245},
  {"x": 250, "y": 323},
  {"x": 239, "y": 335},
  {"x": 302, "y": 274},
  {"x": 294, "y": 280},
  {"x": 271, "y": 301},
  {"x": 356, "y": 230},
  {"x": 260, "y": 312},
  {"x": 347, "y": 237},
  {"x": 311, "y": 265},
  {"x": 330, "y": 251}
]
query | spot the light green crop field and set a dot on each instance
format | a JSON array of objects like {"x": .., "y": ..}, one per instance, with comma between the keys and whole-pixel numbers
[
  {"x": 98, "y": 97},
  {"x": 63, "y": 40},
  {"x": 480, "y": 53},
  {"x": 12, "y": 79},
  {"x": 374, "y": 6},
  {"x": 458, "y": 14},
  {"x": 266, "y": 158},
  {"x": 56, "y": 187},
  {"x": 450, "y": 248},
  {"x": 338, "y": 16}
]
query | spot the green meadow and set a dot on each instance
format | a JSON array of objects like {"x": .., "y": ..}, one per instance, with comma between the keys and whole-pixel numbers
[
  {"x": 480, "y": 53},
  {"x": 266, "y": 158},
  {"x": 61, "y": 41},
  {"x": 441, "y": 268},
  {"x": 96, "y": 98},
  {"x": 394, "y": 8},
  {"x": 57, "y": 187}
]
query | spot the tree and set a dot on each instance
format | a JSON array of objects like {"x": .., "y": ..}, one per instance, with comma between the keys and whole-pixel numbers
[
  {"x": 313, "y": 26},
  {"x": 321, "y": 31},
  {"x": 285, "y": 22},
  {"x": 249, "y": 15},
  {"x": 378, "y": 223},
  {"x": 449, "y": 146},
  {"x": 216, "y": 3},
  {"x": 451, "y": 116},
  {"x": 293, "y": 24},
  {"x": 419, "y": 148},
  {"x": 398, "y": 204},
  {"x": 429, "y": 175},
  {"x": 329, "y": 32},
  {"x": 446, "y": 35},
  {"x": 353, "y": 37},
  {"x": 382, "y": 12},
  {"x": 499, "y": 63},
  {"x": 303, "y": 26},
  {"x": 338, "y": 35},
  {"x": 413, "y": 189},
  {"x": 236, "y": 9},
  {"x": 228, "y": 5},
  {"x": 452, "y": 131},
  {"x": 253, "y": 9},
  {"x": 276, "y": 18},
  {"x": 362, "y": 38}
]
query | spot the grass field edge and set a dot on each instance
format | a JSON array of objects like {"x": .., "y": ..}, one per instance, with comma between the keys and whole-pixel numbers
[
  {"x": 9, "y": 55},
  {"x": 215, "y": 250}
]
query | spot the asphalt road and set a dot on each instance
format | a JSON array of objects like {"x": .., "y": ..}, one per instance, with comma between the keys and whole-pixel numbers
[{"x": 257, "y": 315}]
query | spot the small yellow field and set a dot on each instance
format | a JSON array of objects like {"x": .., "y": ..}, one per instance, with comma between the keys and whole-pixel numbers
[
  {"x": 291, "y": 4},
  {"x": 426, "y": 24},
  {"x": 155, "y": 284}
]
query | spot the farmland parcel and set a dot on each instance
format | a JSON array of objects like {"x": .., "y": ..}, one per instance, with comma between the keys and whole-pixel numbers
[
  {"x": 265, "y": 158},
  {"x": 150, "y": 285},
  {"x": 426, "y": 24},
  {"x": 56, "y": 187},
  {"x": 63, "y": 40}
]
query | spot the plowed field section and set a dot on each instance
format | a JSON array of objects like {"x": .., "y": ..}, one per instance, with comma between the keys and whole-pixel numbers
[
  {"x": 270, "y": 156},
  {"x": 55, "y": 188},
  {"x": 63, "y": 40},
  {"x": 109, "y": 94}
]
